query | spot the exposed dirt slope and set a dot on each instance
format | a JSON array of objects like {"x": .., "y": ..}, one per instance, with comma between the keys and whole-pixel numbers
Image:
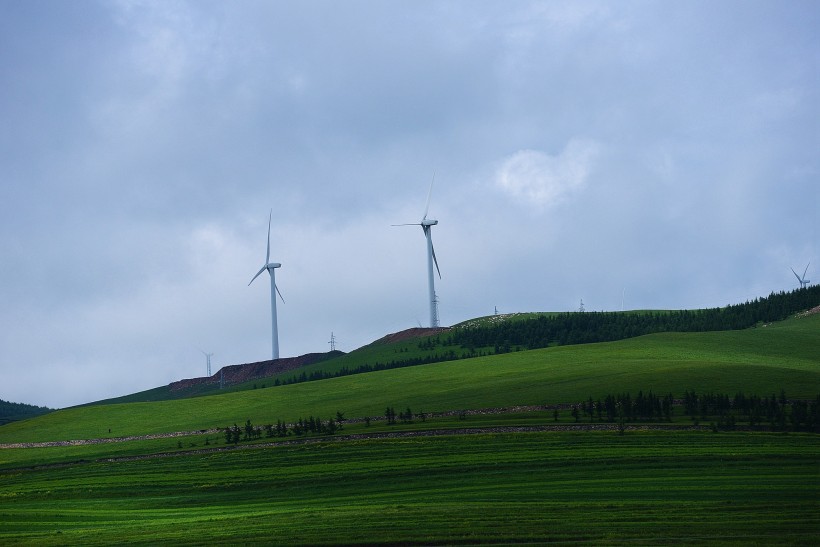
[{"x": 235, "y": 374}]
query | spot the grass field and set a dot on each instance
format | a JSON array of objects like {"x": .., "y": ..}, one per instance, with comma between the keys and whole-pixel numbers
[
  {"x": 762, "y": 361},
  {"x": 599, "y": 487},
  {"x": 649, "y": 488}
]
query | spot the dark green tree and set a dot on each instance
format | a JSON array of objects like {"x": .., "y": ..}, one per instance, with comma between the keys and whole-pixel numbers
[{"x": 237, "y": 434}]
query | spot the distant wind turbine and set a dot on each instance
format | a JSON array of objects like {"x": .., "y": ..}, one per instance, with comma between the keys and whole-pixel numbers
[
  {"x": 208, "y": 361},
  {"x": 427, "y": 225},
  {"x": 274, "y": 290},
  {"x": 802, "y": 280}
]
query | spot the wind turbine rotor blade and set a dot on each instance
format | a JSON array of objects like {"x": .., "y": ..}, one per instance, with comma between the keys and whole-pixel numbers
[
  {"x": 258, "y": 274},
  {"x": 807, "y": 269},
  {"x": 795, "y": 274},
  {"x": 267, "y": 254},
  {"x": 435, "y": 261},
  {"x": 279, "y": 293},
  {"x": 408, "y": 224},
  {"x": 429, "y": 193}
]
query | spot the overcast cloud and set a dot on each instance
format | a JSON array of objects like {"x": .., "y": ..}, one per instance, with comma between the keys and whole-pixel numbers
[{"x": 639, "y": 153}]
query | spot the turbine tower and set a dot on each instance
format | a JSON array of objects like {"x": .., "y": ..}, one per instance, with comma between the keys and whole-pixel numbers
[
  {"x": 802, "y": 280},
  {"x": 208, "y": 361},
  {"x": 274, "y": 290},
  {"x": 427, "y": 225}
]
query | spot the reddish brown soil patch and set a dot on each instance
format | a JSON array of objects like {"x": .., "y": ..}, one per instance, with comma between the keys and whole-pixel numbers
[{"x": 236, "y": 374}]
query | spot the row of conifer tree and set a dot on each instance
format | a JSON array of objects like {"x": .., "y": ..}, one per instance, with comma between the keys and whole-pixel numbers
[
  {"x": 581, "y": 328},
  {"x": 235, "y": 434}
]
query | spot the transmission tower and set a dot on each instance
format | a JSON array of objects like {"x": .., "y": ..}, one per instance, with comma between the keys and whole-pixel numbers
[{"x": 332, "y": 342}]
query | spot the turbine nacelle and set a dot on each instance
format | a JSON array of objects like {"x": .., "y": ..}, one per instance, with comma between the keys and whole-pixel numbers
[
  {"x": 427, "y": 222},
  {"x": 802, "y": 280}
]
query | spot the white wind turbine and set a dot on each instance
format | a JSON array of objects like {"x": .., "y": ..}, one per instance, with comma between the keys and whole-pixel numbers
[
  {"x": 426, "y": 225},
  {"x": 802, "y": 280},
  {"x": 274, "y": 290}
]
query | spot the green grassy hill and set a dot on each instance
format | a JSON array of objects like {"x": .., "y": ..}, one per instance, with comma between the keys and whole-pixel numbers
[
  {"x": 496, "y": 334},
  {"x": 11, "y": 412},
  {"x": 467, "y": 482},
  {"x": 761, "y": 360}
]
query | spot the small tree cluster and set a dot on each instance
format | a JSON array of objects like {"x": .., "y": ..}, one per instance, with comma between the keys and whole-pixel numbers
[
  {"x": 278, "y": 430},
  {"x": 390, "y": 414},
  {"x": 251, "y": 432},
  {"x": 775, "y": 411},
  {"x": 430, "y": 343},
  {"x": 314, "y": 425},
  {"x": 302, "y": 426},
  {"x": 233, "y": 434},
  {"x": 624, "y": 408},
  {"x": 406, "y": 417}
]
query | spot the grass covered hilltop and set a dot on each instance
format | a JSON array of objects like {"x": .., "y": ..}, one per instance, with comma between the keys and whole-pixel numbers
[{"x": 705, "y": 437}]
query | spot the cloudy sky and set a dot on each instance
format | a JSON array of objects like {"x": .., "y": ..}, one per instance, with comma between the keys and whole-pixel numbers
[{"x": 639, "y": 154}]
